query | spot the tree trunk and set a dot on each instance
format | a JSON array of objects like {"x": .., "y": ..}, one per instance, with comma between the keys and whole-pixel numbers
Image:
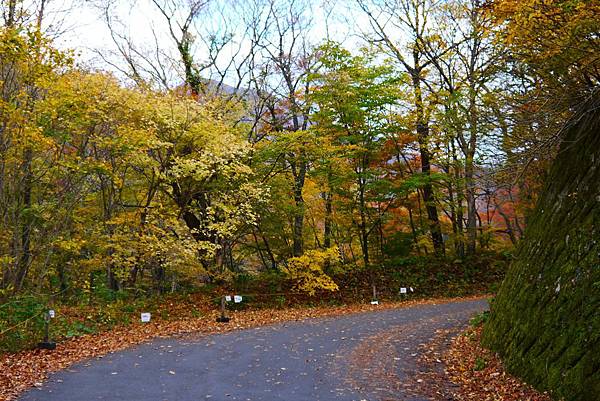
[
  {"x": 11, "y": 13},
  {"x": 25, "y": 259},
  {"x": 364, "y": 234},
  {"x": 328, "y": 222},
  {"x": 471, "y": 207},
  {"x": 460, "y": 244},
  {"x": 470, "y": 173},
  {"x": 428, "y": 193},
  {"x": 413, "y": 230},
  {"x": 299, "y": 175},
  {"x": 327, "y": 231}
]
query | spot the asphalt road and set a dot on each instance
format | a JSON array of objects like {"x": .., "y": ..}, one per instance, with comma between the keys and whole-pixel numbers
[{"x": 368, "y": 356}]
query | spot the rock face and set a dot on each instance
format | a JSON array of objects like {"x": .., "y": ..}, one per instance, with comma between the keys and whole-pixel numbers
[{"x": 545, "y": 320}]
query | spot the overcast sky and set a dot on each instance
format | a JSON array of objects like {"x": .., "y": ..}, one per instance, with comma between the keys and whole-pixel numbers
[{"x": 83, "y": 26}]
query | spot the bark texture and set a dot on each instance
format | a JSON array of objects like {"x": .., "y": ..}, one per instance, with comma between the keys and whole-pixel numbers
[{"x": 545, "y": 321}]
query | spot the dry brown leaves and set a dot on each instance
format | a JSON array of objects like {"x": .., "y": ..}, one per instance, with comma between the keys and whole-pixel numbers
[
  {"x": 472, "y": 372},
  {"x": 30, "y": 368}
]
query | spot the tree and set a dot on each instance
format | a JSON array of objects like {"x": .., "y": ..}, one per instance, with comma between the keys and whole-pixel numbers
[
  {"x": 28, "y": 66},
  {"x": 282, "y": 86},
  {"x": 206, "y": 54},
  {"x": 467, "y": 73},
  {"x": 353, "y": 99},
  {"x": 411, "y": 17}
]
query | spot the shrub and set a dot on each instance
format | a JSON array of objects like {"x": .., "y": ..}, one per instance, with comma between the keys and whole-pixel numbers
[{"x": 307, "y": 271}]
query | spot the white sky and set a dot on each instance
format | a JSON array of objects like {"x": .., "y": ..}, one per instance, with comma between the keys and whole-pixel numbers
[{"x": 85, "y": 31}]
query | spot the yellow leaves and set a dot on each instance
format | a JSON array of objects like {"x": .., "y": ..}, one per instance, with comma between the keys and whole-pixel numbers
[
  {"x": 107, "y": 161},
  {"x": 559, "y": 39},
  {"x": 307, "y": 270},
  {"x": 160, "y": 243},
  {"x": 72, "y": 245}
]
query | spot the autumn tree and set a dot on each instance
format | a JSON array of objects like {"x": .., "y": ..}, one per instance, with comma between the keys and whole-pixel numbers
[
  {"x": 29, "y": 63},
  {"x": 467, "y": 75},
  {"x": 282, "y": 86},
  {"x": 353, "y": 101},
  {"x": 413, "y": 56}
]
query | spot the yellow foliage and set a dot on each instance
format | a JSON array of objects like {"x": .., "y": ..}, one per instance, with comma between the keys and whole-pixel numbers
[
  {"x": 307, "y": 270},
  {"x": 557, "y": 38}
]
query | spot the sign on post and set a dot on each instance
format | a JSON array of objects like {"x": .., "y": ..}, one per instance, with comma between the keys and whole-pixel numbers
[
  {"x": 237, "y": 299},
  {"x": 145, "y": 317}
]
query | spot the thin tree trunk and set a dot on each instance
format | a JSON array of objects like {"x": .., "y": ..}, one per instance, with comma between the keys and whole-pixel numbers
[
  {"x": 460, "y": 244},
  {"x": 327, "y": 231},
  {"x": 428, "y": 193},
  {"x": 413, "y": 230},
  {"x": 364, "y": 234},
  {"x": 328, "y": 220},
  {"x": 25, "y": 259},
  {"x": 299, "y": 175}
]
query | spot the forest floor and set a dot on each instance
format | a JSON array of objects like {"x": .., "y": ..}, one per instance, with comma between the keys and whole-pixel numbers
[
  {"x": 27, "y": 369},
  {"x": 471, "y": 372}
]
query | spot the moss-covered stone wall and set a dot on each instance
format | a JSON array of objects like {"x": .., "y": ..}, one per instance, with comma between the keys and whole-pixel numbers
[{"x": 545, "y": 320}]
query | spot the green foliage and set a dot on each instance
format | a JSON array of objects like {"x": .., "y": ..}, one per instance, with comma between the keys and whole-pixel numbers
[
  {"x": 398, "y": 247},
  {"x": 480, "y": 319},
  {"x": 479, "y": 364},
  {"x": 77, "y": 329},
  {"x": 21, "y": 322}
]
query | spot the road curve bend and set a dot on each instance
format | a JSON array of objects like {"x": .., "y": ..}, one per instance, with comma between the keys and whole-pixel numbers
[{"x": 364, "y": 356}]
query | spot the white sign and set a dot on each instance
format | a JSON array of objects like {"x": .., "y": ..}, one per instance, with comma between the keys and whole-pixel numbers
[
  {"x": 228, "y": 298},
  {"x": 145, "y": 317},
  {"x": 237, "y": 299},
  {"x": 51, "y": 313},
  {"x": 374, "y": 302},
  {"x": 403, "y": 290}
]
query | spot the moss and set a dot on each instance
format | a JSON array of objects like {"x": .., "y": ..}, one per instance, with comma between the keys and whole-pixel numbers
[{"x": 545, "y": 320}]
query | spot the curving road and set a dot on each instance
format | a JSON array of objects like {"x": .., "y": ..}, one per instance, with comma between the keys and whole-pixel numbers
[{"x": 367, "y": 356}]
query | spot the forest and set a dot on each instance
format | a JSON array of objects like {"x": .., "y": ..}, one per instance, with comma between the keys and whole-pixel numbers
[{"x": 299, "y": 151}]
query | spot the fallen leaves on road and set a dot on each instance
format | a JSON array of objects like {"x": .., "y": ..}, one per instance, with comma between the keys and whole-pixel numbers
[
  {"x": 471, "y": 372},
  {"x": 23, "y": 370},
  {"x": 480, "y": 374}
]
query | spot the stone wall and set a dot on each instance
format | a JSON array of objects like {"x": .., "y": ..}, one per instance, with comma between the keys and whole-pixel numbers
[{"x": 545, "y": 320}]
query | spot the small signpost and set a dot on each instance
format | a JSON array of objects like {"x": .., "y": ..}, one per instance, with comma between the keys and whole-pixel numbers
[
  {"x": 223, "y": 318},
  {"x": 374, "y": 301},
  {"x": 145, "y": 317},
  {"x": 224, "y": 299},
  {"x": 404, "y": 291},
  {"x": 47, "y": 344}
]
